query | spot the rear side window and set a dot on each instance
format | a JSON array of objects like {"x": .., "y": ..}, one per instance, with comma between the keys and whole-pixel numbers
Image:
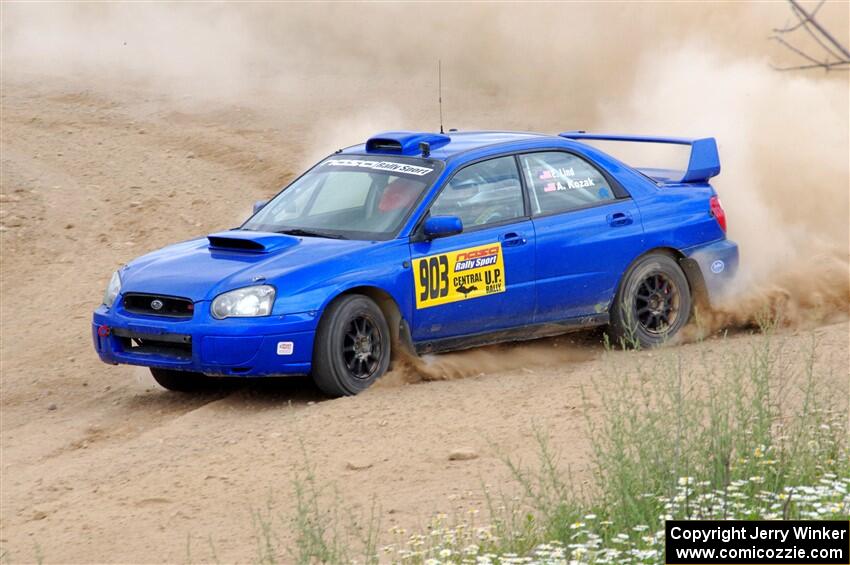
[
  {"x": 560, "y": 181},
  {"x": 483, "y": 193}
]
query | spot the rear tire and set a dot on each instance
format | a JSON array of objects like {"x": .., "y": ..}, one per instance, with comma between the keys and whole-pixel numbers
[
  {"x": 652, "y": 304},
  {"x": 352, "y": 348},
  {"x": 184, "y": 381}
]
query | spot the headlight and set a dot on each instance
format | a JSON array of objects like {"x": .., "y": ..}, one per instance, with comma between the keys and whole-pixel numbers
[
  {"x": 244, "y": 302},
  {"x": 112, "y": 290}
]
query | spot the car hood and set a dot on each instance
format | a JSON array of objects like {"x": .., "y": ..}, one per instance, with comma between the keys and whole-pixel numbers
[{"x": 201, "y": 269}]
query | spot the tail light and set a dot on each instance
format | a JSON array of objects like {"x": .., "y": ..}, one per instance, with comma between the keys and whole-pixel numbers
[{"x": 718, "y": 212}]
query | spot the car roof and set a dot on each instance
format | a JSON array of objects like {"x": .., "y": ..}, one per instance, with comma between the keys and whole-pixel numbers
[{"x": 444, "y": 146}]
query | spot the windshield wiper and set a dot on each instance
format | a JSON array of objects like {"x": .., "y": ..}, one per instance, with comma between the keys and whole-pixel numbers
[{"x": 310, "y": 233}]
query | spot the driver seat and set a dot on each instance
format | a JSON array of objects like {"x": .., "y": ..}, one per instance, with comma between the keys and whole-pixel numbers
[{"x": 399, "y": 193}]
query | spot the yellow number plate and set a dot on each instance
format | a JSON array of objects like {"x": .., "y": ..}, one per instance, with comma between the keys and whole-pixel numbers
[{"x": 459, "y": 275}]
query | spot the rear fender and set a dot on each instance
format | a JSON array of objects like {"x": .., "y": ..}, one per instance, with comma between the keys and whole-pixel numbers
[
  {"x": 690, "y": 266},
  {"x": 717, "y": 264}
]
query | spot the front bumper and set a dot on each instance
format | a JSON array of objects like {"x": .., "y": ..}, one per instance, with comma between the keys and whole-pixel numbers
[{"x": 249, "y": 347}]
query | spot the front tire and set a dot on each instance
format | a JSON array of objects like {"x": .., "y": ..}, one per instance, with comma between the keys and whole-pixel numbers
[
  {"x": 652, "y": 304},
  {"x": 352, "y": 348},
  {"x": 183, "y": 381}
]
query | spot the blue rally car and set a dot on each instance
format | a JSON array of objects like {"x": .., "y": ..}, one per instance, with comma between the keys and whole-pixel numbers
[{"x": 427, "y": 242}]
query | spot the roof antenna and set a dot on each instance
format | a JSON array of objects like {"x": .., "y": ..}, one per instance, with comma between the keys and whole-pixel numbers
[{"x": 440, "y": 91}]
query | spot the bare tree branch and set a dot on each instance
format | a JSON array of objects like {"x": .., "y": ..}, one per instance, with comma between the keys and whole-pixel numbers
[
  {"x": 822, "y": 31},
  {"x": 804, "y": 20},
  {"x": 842, "y": 66},
  {"x": 799, "y": 52},
  {"x": 844, "y": 51},
  {"x": 801, "y": 20},
  {"x": 820, "y": 42},
  {"x": 837, "y": 56}
]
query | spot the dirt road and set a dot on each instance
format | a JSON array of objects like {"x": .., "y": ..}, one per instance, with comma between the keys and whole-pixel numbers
[{"x": 100, "y": 465}]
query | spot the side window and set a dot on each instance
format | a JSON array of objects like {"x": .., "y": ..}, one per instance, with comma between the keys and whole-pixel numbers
[
  {"x": 484, "y": 193},
  {"x": 561, "y": 181}
]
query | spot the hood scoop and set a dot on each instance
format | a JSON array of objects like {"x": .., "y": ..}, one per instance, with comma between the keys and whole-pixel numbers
[{"x": 250, "y": 241}]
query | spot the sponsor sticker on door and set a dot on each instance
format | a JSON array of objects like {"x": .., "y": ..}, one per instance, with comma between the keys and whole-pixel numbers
[{"x": 459, "y": 275}]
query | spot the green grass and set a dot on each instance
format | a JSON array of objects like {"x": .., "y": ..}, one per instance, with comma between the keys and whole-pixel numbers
[
  {"x": 751, "y": 435},
  {"x": 324, "y": 529}
]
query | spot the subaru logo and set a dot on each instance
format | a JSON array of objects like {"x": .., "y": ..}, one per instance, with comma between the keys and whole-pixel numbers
[{"x": 156, "y": 304}]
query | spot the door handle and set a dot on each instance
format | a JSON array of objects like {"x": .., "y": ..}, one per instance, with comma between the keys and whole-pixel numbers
[
  {"x": 619, "y": 219},
  {"x": 512, "y": 239}
]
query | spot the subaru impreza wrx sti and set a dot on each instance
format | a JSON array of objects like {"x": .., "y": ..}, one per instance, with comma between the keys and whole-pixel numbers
[{"x": 427, "y": 242}]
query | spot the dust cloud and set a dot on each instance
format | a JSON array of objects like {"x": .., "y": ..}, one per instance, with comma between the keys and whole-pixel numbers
[
  {"x": 783, "y": 142},
  {"x": 342, "y": 71},
  {"x": 523, "y": 356}
]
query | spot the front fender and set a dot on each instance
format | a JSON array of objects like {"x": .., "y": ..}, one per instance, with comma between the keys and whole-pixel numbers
[{"x": 383, "y": 267}]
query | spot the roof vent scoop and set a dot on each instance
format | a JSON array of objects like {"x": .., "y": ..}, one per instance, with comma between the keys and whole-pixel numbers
[
  {"x": 378, "y": 145},
  {"x": 404, "y": 142}
]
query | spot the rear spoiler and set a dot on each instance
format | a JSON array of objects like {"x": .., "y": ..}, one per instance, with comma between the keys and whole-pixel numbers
[{"x": 703, "y": 164}]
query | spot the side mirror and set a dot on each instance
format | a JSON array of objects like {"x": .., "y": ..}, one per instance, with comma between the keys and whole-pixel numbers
[
  {"x": 442, "y": 226},
  {"x": 259, "y": 204}
]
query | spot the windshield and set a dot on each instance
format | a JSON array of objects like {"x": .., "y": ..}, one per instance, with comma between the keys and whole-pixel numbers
[{"x": 350, "y": 197}]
